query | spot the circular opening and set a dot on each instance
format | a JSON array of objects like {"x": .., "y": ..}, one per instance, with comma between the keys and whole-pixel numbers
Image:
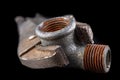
[
  {"x": 54, "y": 24},
  {"x": 108, "y": 59}
]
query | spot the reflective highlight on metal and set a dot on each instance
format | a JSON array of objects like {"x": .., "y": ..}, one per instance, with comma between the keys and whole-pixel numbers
[{"x": 60, "y": 41}]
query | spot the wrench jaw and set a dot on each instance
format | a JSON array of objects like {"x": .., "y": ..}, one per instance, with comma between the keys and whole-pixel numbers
[
  {"x": 37, "y": 57},
  {"x": 59, "y": 41},
  {"x": 44, "y": 57}
]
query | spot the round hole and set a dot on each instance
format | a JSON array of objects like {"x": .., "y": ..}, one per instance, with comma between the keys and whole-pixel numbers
[{"x": 54, "y": 24}]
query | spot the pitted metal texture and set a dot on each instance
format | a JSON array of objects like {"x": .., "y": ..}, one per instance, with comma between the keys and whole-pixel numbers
[{"x": 60, "y": 41}]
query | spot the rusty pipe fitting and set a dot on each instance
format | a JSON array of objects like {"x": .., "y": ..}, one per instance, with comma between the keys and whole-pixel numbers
[
  {"x": 61, "y": 31},
  {"x": 61, "y": 41}
]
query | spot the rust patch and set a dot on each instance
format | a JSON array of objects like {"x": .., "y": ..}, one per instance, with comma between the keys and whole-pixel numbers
[{"x": 93, "y": 58}]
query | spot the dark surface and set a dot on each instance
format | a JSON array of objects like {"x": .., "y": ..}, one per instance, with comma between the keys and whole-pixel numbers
[{"x": 101, "y": 24}]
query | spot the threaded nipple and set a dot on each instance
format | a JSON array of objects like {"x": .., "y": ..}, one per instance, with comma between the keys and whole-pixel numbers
[{"x": 97, "y": 58}]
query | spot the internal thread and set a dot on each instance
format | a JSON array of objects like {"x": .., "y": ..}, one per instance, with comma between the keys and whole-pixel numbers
[
  {"x": 94, "y": 57},
  {"x": 54, "y": 24}
]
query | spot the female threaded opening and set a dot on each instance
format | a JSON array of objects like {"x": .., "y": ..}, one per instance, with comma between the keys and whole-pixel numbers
[
  {"x": 56, "y": 27},
  {"x": 97, "y": 58}
]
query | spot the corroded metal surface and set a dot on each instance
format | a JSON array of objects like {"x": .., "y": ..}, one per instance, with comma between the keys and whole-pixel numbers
[
  {"x": 97, "y": 58},
  {"x": 30, "y": 52},
  {"x": 84, "y": 33},
  {"x": 60, "y": 41}
]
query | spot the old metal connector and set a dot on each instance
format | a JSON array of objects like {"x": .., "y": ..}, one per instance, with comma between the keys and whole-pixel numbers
[{"x": 61, "y": 41}]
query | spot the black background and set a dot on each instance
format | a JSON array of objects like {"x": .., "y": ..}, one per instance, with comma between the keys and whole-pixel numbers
[{"x": 101, "y": 19}]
